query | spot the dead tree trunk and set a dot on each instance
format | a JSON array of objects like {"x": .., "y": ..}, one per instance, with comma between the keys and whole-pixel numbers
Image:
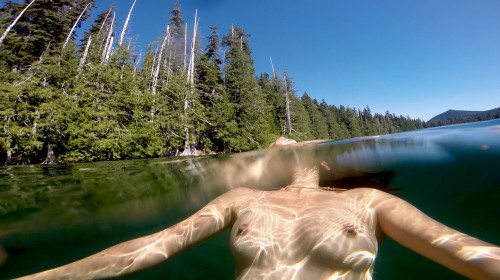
[
  {"x": 85, "y": 53},
  {"x": 104, "y": 21},
  {"x": 137, "y": 62},
  {"x": 157, "y": 71},
  {"x": 125, "y": 25},
  {"x": 287, "y": 109},
  {"x": 9, "y": 157},
  {"x": 50, "y": 159},
  {"x": 74, "y": 25},
  {"x": 272, "y": 67},
  {"x": 109, "y": 41},
  {"x": 108, "y": 52},
  {"x": 14, "y": 22},
  {"x": 185, "y": 44},
  {"x": 189, "y": 149}
]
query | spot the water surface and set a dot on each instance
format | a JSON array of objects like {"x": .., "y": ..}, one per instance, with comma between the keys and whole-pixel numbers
[{"x": 52, "y": 215}]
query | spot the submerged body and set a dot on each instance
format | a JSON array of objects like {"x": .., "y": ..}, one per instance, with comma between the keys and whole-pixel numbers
[
  {"x": 304, "y": 234},
  {"x": 297, "y": 232}
]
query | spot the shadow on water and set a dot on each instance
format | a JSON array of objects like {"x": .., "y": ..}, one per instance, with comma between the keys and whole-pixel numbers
[{"x": 52, "y": 215}]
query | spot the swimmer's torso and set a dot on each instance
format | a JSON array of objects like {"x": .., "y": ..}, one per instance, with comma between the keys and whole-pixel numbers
[{"x": 310, "y": 234}]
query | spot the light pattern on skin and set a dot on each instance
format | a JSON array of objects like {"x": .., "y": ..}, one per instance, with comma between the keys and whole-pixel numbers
[
  {"x": 338, "y": 275},
  {"x": 288, "y": 235},
  {"x": 360, "y": 258},
  {"x": 448, "y": 237},
  {"x": 479, "y": 252}
]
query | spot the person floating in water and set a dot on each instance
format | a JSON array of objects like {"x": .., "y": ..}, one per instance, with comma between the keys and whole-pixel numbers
[{"x": 298, "y": 232}]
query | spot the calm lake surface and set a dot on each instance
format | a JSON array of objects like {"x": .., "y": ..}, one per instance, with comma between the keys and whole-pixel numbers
[{"x": 52, "y": 215}]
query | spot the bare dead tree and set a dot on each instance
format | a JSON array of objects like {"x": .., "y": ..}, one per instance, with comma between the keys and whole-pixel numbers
[
  {"x": 85, "y": 53},
  {"x": 104, "y": 21},
  {"x": 272, "y": 67},
  {"x": 190, "y": 74},
  {"x": 125, "y": 25},
  {"x": 185, "y": 44},
  {"x": 287, "y": 108},
  {"x": 109, "y": 40},
  {"x": 74, "y": 26},
  {"x": 154, "y": 62},
  {"x": 157, "y": 70},
  {"x": 137, "y": 62},
  {"x": 108, "y": 52},
  {"x": 14, "y": 22},
  {"x": 188, "y": 148}
]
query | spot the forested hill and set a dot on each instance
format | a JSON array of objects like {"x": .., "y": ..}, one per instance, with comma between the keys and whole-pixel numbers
[
  {"x": 458, "y": 116},
  {"x": 100, "y": 99}
]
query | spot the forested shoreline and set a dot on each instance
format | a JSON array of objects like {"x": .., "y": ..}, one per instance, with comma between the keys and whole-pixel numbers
[{"x": 98, "y": 98}]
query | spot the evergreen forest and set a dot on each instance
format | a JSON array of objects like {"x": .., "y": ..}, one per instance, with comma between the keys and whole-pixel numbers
[{"x": 94, "y": 97}]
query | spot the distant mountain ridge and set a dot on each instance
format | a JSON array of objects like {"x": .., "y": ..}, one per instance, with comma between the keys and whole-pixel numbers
[{"x": 461, "y": 115}]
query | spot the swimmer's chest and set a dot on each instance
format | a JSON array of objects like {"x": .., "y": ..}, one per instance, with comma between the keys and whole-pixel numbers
[{"x": 290, "y": 228}]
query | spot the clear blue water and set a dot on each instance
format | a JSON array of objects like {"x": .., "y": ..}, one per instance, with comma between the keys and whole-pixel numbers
[{"x": 52, "y": 215}]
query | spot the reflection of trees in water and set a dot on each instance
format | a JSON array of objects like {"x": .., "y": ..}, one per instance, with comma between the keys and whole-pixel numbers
[{"x": 72, "y": 193}]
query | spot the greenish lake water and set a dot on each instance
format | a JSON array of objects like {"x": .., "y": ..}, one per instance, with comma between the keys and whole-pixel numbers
[{"x": 52, "y": 215}]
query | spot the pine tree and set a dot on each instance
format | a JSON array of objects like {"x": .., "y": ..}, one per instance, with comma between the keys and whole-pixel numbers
[
  {"x": 252, "y": 113},
  {"x": 42, "y": 30},
  {"x": 318, "y": 120},
  {"x": 336, "y": 129},
  {"x": 176, "y": 53},
  {"x": 273, "y": 89},
  {"x": 213, "y": 100}
]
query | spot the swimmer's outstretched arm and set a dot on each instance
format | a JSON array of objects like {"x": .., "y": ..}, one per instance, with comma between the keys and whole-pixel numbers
[
  {"x": 148, "y": 251},
  {"x": 413, "y": 229}
]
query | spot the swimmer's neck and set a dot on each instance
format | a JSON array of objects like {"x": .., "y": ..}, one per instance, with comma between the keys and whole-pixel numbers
[{"x": 304, "y": 179}]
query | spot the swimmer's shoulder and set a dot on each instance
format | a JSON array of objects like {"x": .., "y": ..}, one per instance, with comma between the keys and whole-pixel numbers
[
  {"x": 238, "y": 193},
  {"x": 367, "y": 193}
]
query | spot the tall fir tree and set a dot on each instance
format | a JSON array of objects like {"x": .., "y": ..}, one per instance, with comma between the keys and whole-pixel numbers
[
  {"x": 318, "y": 121},
  {"x": 176, "y": 53},
  {"x": 252, "y": 112}
]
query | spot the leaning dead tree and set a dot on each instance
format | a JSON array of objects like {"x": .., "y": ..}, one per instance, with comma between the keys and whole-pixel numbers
[
  {"x": 189, "y": 149},
  {"x": 105, "y": 19},
  {"x": 109, "y": 42},
  {"x": 74, "y": 26},
  {"x": 156, "y": 70},
  {"x": 190, "y": 74},
  {"x": 85, "y": 53},
  {"x": 272, "y": 67},
  {"x": 14, "y": 22},
  {"x": 125, "y": 25}
]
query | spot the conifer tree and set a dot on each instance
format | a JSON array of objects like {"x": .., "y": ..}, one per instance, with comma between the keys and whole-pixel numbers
[
  {"x": 273, "y": 89},
  {"x": 252, "y": 113},
  {"x": 42, "y": 30},
  {"x": 336, "y": 129},
  {"x": 213, "y": 101},
  {"x": 318, "y": 121},
  {"x": 176, "y": 53}
]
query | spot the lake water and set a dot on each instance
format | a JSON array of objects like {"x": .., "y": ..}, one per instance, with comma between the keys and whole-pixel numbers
[{"x": 52, "y": 215}]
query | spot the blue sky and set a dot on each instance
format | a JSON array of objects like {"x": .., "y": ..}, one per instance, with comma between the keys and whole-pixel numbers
[{"x": 415, "y": 58}]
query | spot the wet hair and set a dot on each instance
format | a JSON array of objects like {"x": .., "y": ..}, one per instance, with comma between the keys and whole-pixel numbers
[{"x": 379, "y": 181}]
